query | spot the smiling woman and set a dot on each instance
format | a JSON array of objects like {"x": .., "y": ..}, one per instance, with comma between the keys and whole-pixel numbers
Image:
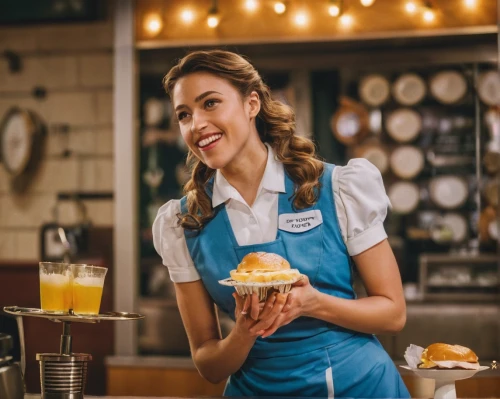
[{"x": 251, "y": 177}]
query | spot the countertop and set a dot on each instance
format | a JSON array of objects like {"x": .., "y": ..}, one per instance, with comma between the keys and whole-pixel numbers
[{"x": 186, "y": 363}]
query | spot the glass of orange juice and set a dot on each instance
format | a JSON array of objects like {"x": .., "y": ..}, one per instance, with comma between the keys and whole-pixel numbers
[
  {"x": 56, "y": 280},
  {"x": 87, "y": 288}
]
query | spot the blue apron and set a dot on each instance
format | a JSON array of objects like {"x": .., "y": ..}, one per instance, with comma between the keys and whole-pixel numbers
[{"x": 308, "y": 357}]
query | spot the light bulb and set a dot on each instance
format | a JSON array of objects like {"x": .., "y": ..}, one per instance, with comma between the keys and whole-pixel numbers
[
  {"x": 301, "y": 19},
  {"x": 279, "y": 7},
  {"x": 334, "y": 10},
  {"x": 213, "y": 20},
  {"x": 470, "y": 3},
  {"x": 251, "y": 5},
  {"x": 410, "y": 7},
  {"x": 187, "y": 16},
  {"x": 153, "y": 24},
  {"x": 367, "y": 3},
  {"x": 346, "y": 20},
  {"x": 429, "y": 15}
]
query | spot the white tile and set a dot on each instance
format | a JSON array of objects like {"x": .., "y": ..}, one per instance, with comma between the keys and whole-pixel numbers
[
  {"x": 26, "y": 211},
  {"x": 87, "y": 175},
  {"x": 82, "y": 141},
  {"x": 69, "y": 213},
  {"x": 54, "y": 175},
  {"x": 96, "y": 70},
  {"x": 75, "y": 108},
  {"x": 105, "y": 107},
  {"x": 28, "y": 245},
  {"x": 76, "y": 36},
  {"x": 104, "y": 140},
  {"x": 50, "y": 72},
  {"x": 24, "y": 102},
  {"x": 18, "y": 39},
  {"x": 105, "y": 174},
  {"x": 8, "y": 244},
  {"x": 101, "y": 212}
]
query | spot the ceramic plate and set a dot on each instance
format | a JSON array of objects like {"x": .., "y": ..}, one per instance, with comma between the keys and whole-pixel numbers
[{"x": 404, "y": 125}]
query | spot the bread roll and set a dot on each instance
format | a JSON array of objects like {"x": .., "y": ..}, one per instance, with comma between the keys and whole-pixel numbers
[
  {"x": 443, "y": 352},
  {"x": 263, "y": 267}
]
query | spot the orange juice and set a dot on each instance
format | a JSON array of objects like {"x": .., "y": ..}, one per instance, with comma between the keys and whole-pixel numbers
[
  {"x": 55, "y": 292},
  {"x": 87, "y": 294}
]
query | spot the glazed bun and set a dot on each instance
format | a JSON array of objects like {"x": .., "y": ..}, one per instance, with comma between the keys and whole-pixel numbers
[
  {"x": 263, "y": 267},
  {"x": 446, "y": 353}
]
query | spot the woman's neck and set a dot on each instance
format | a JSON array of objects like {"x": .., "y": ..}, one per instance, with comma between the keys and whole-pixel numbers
[{"x": 246, "y": 172}]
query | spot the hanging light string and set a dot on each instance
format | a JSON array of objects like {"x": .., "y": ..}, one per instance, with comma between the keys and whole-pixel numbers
[
  {"x": 213, "y": 17},
  {"x": 153, "y": 22}
]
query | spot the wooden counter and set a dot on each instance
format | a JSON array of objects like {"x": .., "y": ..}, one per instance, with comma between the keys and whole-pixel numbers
[{"x": 144, "y": 376}]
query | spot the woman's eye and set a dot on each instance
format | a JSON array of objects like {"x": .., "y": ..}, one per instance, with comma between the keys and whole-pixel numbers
[
  {"x": 210, "y": 103},
  {"x": 181, "y": 116}
]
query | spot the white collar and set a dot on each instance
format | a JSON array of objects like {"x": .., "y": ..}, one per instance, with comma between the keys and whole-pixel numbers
[{"x": 273, "y": 180}]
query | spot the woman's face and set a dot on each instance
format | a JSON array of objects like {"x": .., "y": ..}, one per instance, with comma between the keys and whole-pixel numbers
[{"x": 215, "y": 122}]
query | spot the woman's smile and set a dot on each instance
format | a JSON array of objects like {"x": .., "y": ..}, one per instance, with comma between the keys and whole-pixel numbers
[{"x": 208, "y": 141}]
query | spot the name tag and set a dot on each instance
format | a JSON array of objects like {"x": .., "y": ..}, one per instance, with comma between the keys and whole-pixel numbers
[{"x": 300, "y": 222}]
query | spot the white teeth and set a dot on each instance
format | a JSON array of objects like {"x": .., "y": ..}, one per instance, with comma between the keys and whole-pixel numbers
[{"x": 208, "y": 140}]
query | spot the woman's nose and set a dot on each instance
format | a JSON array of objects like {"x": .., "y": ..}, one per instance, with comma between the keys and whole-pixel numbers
[{"x": 198, "y": 123}]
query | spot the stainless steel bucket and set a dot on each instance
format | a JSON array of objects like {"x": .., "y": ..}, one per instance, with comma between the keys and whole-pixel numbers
[{"x": 63, "y": 376}]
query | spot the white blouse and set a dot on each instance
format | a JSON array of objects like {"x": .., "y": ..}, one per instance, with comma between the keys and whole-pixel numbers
[{"x": 360, "y": 201}]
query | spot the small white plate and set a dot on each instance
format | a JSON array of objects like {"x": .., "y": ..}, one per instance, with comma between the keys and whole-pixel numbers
[
  {"x": 404, "y": 197},
  {"x": 448, "y": 87},
  {"x": 488, "y": 87},
  {"x": 448, "y": 191},
  {"x": 409, "y": 89},
  {"x": 404, "y": 125},
  {"x": 407, "y": 161},
  {"x": 374, "y": 90}
]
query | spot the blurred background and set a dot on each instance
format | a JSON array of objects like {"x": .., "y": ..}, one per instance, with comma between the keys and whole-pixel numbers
[{"x": 88, "y": 143}]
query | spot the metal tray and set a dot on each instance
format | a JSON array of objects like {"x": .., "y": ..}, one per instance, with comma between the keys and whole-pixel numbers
[{"x": 34, "y": 312}]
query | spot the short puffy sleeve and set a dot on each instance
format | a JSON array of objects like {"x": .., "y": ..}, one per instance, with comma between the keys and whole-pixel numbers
[
  {"x": 170, "y": 243},
  {"x": 361, "y": 204}
]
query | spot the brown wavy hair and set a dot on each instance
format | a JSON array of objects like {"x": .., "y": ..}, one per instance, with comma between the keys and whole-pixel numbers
[{"x": 275, "y": 123}]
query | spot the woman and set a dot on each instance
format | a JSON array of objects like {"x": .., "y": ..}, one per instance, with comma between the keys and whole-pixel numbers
[{"x": 249, "y": 167}]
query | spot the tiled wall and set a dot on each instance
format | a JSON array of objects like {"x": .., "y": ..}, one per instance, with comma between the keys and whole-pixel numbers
[{"x": 74, "y": 63}]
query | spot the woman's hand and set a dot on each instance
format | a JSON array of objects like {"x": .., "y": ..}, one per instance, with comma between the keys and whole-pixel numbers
[{"x": 286, "y": 308}]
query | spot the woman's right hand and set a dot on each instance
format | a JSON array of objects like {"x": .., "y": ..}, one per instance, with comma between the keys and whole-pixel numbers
[{"x": 249, "y": 311}]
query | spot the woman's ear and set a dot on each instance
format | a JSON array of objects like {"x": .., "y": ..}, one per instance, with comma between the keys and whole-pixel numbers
[{"x": 254, "y": 103}]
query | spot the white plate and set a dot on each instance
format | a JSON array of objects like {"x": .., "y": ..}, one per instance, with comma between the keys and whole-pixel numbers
[
  {"x": 377, "y": 156},
  {"x": 374, "y": 90},
  {"x": 448, "y": 192},
  {"x": 488, "y": 87},
  {"x": 446, "y": 375},
  {"x": 457, "y": 224},
  {"x": 409, "y": 89},
  {"x": 448, "y": 87},
  {"x": 407, "y": 161},
  {"x": 404, "y": 125},
  {"x": 404, "y": 197}
]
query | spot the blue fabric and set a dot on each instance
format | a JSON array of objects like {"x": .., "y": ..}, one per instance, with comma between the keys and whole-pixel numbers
[{"x": 296, "y": 359}]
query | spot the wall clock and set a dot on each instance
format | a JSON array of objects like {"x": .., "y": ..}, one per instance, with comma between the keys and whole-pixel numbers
[{"x": 21, "y": 134}]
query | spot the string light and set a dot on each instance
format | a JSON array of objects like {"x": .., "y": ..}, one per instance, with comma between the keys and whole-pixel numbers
[
  {"x": 251, "y": 5},
  {"x": 367, "y": 3},
  {"x": 301, "y": 19},
  {"x": 187, "y": 16},
  {"x": 213, "y": 18},
  {"x": 335, "y": 8},
  {"x": 410, "y": 7},
  {"x": 346, "y": 20},
  {"x": 153, "y": 24},
  {"x": 470, "y": 3},
  {"x": 428, "y": 14},
  {"x": 279, "y": 7}
]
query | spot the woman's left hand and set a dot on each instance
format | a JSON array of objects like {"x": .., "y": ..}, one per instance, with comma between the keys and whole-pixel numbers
[{"x": 299, "y": 302}]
